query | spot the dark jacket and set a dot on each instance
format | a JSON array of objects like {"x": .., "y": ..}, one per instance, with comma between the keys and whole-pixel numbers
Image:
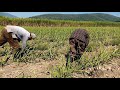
[
  {"x": 81, "y": 35},
  {"x": 78, "y": 41}
]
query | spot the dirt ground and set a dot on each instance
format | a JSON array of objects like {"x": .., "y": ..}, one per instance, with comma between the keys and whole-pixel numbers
[
  {"x": 27, "y": 70},
  {"x": 109, "y": 70},
  {"x": 41, "y": 70}
]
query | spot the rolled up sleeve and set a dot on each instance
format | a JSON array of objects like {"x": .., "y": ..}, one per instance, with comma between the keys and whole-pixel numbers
[{"x": 24, "y": 41}]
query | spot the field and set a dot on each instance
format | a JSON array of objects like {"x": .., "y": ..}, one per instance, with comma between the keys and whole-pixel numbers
[{"x": 47, "y": 58}]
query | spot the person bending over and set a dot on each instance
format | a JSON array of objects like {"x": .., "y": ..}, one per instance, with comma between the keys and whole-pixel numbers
[
  {"x": 78, "y": 41},
  {"x": 13, "y": 35}
]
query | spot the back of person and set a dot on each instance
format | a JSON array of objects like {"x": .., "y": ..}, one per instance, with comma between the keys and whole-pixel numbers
[
  {"x": 78, "y": 41},
  {"x": 80, "y": 34},
  {"x": 17, "y": 30}
]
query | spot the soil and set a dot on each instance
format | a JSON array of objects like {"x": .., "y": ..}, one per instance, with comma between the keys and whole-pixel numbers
[
  {"x": 41, "y": 70},
  {"x": 27, "y": 70},
  {"x": 108, "y": 70}
]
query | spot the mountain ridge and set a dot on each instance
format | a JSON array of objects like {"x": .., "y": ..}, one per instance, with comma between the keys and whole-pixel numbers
[
  {"x": 7, "y": 15},
  {"x": 79, "y": 17}
]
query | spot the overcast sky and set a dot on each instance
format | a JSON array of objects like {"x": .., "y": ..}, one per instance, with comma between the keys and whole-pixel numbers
[{"x": 29, "y": 14}]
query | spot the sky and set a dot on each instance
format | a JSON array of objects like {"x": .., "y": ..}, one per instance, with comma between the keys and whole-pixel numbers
[{"x": 29, "y": 14}]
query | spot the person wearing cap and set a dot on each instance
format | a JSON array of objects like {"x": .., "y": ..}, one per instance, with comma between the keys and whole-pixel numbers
[
  {"x": 13, "y": 35},
  {"x": 78, "y": 41}
]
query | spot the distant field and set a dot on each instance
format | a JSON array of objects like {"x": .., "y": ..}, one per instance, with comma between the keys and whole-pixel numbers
[
  {"x": 55, "y": 23},
  {"x": 52, "y": 43}
]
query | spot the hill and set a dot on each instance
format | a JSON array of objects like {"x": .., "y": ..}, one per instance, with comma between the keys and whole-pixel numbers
[
  {"x": 7, "y": 15},
  {"x": 79, "y": 17}
]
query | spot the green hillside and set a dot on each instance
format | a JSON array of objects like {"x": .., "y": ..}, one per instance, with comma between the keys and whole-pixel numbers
[
  {"x": 79, "y": 17},
  {"x": 7, "y": 15}
]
